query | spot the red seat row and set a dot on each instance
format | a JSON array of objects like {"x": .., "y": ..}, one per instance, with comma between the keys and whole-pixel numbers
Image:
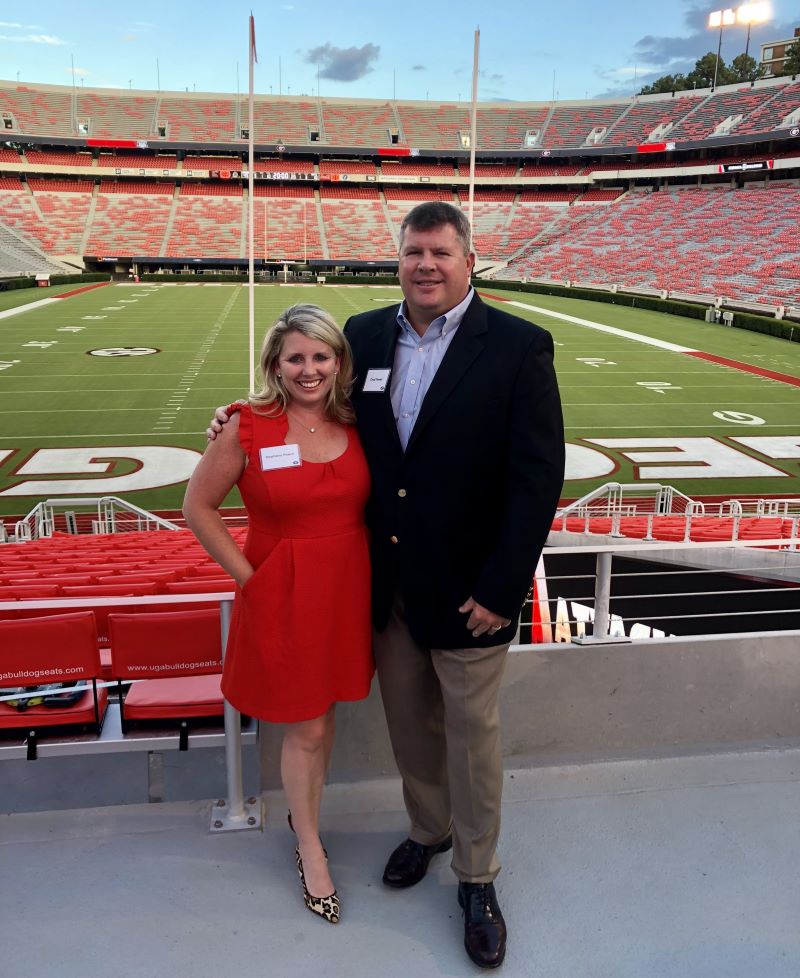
[{"x": 173, "y": 659}]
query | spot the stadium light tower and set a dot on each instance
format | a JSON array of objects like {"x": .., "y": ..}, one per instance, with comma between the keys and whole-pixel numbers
[
  {"x": 753, "y": 13},
  {"x": 720, "y": 18}
]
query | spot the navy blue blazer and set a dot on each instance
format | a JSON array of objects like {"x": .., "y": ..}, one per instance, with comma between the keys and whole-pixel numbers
[{"x": 466, "y": 509}]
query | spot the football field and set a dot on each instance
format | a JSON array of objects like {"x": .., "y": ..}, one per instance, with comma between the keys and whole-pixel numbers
[{"x": 108, "y": 392}]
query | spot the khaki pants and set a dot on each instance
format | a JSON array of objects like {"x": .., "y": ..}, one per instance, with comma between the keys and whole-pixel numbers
[{"x": 441, "y": 710}]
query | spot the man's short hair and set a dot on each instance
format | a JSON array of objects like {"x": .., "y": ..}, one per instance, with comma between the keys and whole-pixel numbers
[{"x": 435, "y": 214}]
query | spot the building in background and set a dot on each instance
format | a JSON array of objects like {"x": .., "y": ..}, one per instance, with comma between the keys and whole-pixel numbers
[{"x": 774, "y": 53}]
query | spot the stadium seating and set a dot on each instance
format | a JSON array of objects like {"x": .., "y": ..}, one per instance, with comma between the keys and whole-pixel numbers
[
  {"x": 682, "y": 241},
  {"x": 329, "y": 167},
  {"x": 137, "y": 161},
  {"x": 56, "y": 157},
  {"x": 126, "y": 115},
  {"x": 202, "y": 120},
  {"x": 212, "y": 163},
  {"x": 285, "y": 121},
  {"x": 771, "y": 113},
  {"x": 357, "y": 125},
  {"x": 205, "y": 118},
  {"x": 355, "y": 227},
  {"x": 506, "y": 127},
  {"x": 645, "y": 116},
  {"x": 207, "y": 226},
  {"x": 292, "y": 231},
  {"x": 703, "y": 120},
  {"x": 128, "y": 223},
  {"x": 571, "y": 126},
  {"x": 434, "y": 125},
  {"x": 284, "y": 165}
]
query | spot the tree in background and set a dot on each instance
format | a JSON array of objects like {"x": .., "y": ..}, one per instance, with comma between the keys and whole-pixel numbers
[
  {"x": 792, "y": 64},
  {"x": 743, "y": 68}
]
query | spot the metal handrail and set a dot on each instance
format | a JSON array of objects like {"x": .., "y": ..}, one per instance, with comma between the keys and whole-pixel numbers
[{"x": 40, "y": 521}]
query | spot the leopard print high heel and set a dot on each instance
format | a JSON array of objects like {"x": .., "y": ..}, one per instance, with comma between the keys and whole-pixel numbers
[{"x": 326, "y": 907}]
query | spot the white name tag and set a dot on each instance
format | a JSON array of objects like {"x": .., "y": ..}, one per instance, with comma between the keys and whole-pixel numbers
[
  {"x": 377, "y": 379},
  {"x": 279, "y": 457}
]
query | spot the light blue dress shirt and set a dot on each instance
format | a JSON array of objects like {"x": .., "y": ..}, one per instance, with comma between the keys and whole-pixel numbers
[{"x": 416, "y": 360}]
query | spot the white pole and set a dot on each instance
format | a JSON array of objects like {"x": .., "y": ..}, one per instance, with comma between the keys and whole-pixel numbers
[
  {"x": 474, "y": 130},
  {"x": 305, "y": 233},
  {"x": 250, "y": 224},
  {"x": 265, "y": 229}
]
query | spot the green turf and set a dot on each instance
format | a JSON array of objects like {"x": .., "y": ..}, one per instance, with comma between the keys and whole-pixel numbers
[
  {"x": 21, "y": 297},
  {"x": 59, "y": 397}
]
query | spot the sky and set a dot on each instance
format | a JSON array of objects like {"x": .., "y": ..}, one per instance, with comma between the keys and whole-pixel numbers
[{"x": 529, "y": 51}]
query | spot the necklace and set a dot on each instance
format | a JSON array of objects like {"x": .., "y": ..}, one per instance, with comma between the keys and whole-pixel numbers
[{"x": 295, "y": 418}]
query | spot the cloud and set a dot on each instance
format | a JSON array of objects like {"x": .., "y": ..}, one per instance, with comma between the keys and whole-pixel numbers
[
  {"x": 33, "y": 39},
  {"x": 80, "y": 72},
  {"x": 418, "y": 68},
  {"x": 21, "y": 27},
  {"x": 343, "y": 64}
]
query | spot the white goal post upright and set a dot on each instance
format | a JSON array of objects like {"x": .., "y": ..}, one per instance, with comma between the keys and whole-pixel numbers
[
  {"x": 253, "y": 57},
  {"x": 474, "y": 130}
]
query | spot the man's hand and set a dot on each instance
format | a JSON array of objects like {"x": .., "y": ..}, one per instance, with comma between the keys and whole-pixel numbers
[
  {"x": 221, "y": 418},
  {"x": 481, "y": 620}
]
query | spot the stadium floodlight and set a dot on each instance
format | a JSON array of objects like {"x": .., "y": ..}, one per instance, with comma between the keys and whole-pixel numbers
[
  {"x": 720, "y": 18},
  {"x": 753, "y": 13}
]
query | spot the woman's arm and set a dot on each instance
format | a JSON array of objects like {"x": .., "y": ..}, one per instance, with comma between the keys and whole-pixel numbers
[{"x": 216, "y": 474}]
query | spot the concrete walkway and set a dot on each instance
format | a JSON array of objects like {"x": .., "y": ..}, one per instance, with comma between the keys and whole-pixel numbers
[{"x": 669, "y": 868}]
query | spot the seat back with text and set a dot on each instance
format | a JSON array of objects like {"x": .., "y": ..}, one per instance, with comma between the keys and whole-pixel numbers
[
  {"x": 174, "y": 660},
  {"x": 42, "y": 651}
]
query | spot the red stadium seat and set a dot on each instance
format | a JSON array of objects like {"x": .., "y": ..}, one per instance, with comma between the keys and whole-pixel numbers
[
  {"x": 52, "y": 649},
  {"x": 176, "y": 658}
]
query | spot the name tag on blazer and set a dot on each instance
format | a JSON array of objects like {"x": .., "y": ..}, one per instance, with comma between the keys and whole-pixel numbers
[
  {"x": 376, "y": 381},
  {"x": 279, "y": 457}
]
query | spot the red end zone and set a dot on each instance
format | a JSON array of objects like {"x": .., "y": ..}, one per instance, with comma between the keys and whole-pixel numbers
[{"x": 86, "y": 288}]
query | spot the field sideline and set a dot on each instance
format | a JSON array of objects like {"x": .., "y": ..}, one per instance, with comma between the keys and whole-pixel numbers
[{"x": 109, "y": 391}]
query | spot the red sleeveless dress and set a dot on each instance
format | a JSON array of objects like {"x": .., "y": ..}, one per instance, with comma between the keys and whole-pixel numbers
[{"x": 300, "y": 636}]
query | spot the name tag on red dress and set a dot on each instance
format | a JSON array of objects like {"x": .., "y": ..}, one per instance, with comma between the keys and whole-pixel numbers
[{"x": 279, "y": 457}]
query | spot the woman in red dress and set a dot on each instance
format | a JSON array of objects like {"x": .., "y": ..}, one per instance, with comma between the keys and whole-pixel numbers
[{"x": 300, "y": 637}]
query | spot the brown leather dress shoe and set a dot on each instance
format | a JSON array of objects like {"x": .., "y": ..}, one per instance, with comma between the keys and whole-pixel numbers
[
  {"x": 409, "y": 862},
  {"x": 484, "y": 927}
]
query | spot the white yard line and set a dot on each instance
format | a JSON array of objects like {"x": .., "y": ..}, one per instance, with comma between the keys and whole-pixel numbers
[
  {"x": 602, "y": 328},
  {"x": 26, "y": 308},
  {"x": 175, "y": 403}
]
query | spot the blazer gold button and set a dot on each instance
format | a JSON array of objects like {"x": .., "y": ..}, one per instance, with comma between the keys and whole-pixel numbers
[
  {"x": 393, "y": 539},
  {"x": 402, "y": 493}
]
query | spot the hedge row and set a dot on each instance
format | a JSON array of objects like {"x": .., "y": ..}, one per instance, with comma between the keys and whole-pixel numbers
[
  {"x": 192, "y": 277},
  {"x": 693, "y": 310},
  {"x": 29, "y": 281}
]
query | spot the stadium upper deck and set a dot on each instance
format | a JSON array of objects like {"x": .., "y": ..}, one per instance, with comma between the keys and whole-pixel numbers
[{"x": 729, "y": 115}]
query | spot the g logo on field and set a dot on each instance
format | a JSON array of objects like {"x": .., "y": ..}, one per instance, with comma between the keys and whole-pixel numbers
[{"x": 123, "y": 351}]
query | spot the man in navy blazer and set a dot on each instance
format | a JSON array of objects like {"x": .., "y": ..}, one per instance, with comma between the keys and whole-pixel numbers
[{"x": 459, "y": 414}]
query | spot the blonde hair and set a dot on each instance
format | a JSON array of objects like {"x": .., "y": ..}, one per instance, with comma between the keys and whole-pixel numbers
[{"x": 315, "y": 324}]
